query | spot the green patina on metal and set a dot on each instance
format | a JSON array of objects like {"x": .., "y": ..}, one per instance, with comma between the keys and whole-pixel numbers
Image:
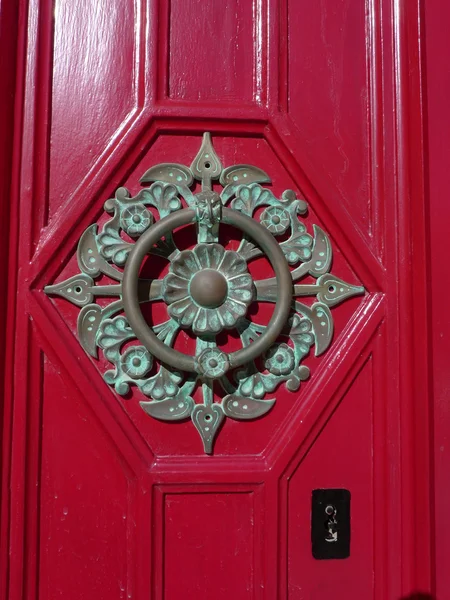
[
  {"x": 207, "y": 289},
  {"x": 187, "y": 293}
]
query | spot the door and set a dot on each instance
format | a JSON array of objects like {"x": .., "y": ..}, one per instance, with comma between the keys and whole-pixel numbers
[{"x": 130, "y": 472}]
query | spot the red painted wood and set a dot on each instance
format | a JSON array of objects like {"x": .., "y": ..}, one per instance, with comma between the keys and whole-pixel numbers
[
  {"x": 9, "y": 29},
  {"x": 107, "y": 503},
  {"x": 437, "y": 128}
]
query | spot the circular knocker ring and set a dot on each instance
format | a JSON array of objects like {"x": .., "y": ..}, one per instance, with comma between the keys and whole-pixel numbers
[
  {"x": 207, "y": 289},
  {"x": 210, "y": 364}
]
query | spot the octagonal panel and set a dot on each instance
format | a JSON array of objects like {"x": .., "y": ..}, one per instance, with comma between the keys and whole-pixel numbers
[{"x": 234, "y": 437}]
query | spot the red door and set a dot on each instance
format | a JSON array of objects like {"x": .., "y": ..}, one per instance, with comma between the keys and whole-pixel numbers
[{"x": 121, "y": 483}]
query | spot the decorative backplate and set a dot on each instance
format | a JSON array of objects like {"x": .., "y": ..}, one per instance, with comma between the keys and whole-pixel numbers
[{"x": 207, "y": 289}]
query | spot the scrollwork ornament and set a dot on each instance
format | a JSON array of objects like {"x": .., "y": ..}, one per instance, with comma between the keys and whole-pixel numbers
[{"x": 207, "y": 289}]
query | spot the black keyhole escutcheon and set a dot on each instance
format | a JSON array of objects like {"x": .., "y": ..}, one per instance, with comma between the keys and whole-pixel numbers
[{"x": 330, "y": 523}]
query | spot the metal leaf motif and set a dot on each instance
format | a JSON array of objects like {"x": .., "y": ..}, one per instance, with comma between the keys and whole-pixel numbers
[
  {"x": 244, "y": 409},
  {"x": 76, "y": 289},
  {"x": 177, "y": 408},
  {"x": 131, "y": 216},
  {"x": 113, "y": 247},
  {"x": 206, "y": 165},
  {"x": 114, "y": 332},
  {"x": 89, "y": 321},
  {"x": 168, "y": 394},
  {"x": 89, "y": 258},
  {"x": 321, "y": 255},
  {"x": 163, "y": 196},
  {"x": 243, "y": 174},
  {"x": 249, "y": 197},
  {"x": 321, "y": 321},
  {"x": 163, "y": 384},
  {"x": 207, "y": 420},
  {"x": 169, "y": 173},
  {"x": 281, "y": 214},
  {"x": 335, "y": 290}
]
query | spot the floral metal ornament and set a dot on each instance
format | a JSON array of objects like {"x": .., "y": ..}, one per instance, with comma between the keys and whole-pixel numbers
[{"x": 207, "y": 289}]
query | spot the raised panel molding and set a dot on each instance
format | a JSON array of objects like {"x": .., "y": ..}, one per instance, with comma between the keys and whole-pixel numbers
[
  {"x": 90, "y": 115},
  {"x": 337, "y": 108},
  {"x": 184, "y": 550},
  {"x": 323, "y": 467},
  {"x": 210, "y": 53},
  {"x": 77, "y": 544}
]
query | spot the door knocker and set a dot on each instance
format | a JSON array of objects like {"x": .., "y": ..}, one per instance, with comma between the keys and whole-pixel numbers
[{"x": 207, "y": 289}]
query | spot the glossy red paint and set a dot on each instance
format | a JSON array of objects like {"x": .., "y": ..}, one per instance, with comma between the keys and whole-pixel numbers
[
  {"x": 437, "y": 129},
  {"x": 99, "y": 501}
]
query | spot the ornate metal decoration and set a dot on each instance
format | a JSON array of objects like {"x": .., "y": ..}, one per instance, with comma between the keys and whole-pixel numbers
[{"x": 207, "y": 289}]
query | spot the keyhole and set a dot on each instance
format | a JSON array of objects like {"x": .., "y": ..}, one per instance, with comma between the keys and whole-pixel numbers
[
  {"x": 207, "y": 165},
  {"x": 330, "y": 523},
  {"x": 331, "y": 534}
]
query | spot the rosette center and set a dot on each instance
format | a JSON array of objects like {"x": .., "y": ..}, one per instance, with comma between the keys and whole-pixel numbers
[{"x": 209, "y": 288}]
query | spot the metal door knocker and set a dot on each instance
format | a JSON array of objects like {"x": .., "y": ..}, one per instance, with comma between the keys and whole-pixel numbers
[{"x": 207, "y": 289}]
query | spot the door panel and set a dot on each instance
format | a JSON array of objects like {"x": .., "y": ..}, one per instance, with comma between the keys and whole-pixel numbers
[
  {"x": 107, "y": 502},
  {"x": 437, "y": 127},
  {"x": 328, "y": 449},
  {"x": 232, "y": 56},
  {"x": 231, "y": 564},
  {"x": 94, "y": 74},
  {"x": 85, "y": 486},
  {"x": 329, "y": 97}
]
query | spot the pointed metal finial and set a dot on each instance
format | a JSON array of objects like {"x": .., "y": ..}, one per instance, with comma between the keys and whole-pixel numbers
[{"x": 206, "y": 165}]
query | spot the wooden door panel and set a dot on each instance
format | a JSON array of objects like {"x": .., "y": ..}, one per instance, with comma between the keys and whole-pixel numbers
[
  {"x": 107, "y": 502},
  {"x": 437, "y": 125},
  {"x": 323, "y": 458},
  {"x": 95, "y": 82},
  {"x": 329, "y": 96},
  {"x": 233, "y": 56},
  {"x": 87, "y": 517},
  {"x": 232, "y": 563}
]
